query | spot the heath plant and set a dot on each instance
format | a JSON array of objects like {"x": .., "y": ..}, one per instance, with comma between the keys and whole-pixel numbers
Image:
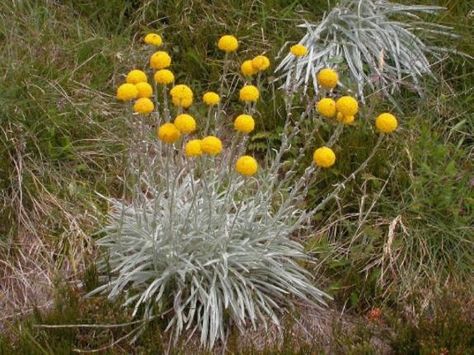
[{"x": 205, "y": 234}]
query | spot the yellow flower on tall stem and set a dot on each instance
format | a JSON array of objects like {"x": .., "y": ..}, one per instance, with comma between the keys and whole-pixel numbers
[
  {"x": 228, "y": 43},
  {"x": 127, "y": 92},
  {"x": 185, "y": 123},
  {"x": 144, "y": 90},
  {"x": 260, "y": 63},
  {"x": 326, "y": 107},
  {"x": 324, "y": 157},
  {"x": 211, "y": 145},
  {"x": 136, "y": 76},
  {"x": 211, "y": 98},
  {"x": 193, "y": 148},
  {"x": 153, "y": 39},
  {"x": 246, "y": 165},
  {"x": 386, "y": 123},
  {"x": 298, "y": 50},
  {"x": 347, "y": 105},
  {"x": 249, "y": 93},
  {"x": 143, "y": 106},
  {"x": 164, "y": 77},
  {"x": 168, "y": 133},
  {"x": 328, "y": 78},
  {"x": 244, "y": 124},
  {"x": 160, "y": 60}
]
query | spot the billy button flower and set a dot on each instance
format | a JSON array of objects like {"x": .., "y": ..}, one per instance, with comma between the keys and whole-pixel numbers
[
  {"x": 185, "y": 123},
  {"x": 324, "y": 157},
  {"x": 249, "y": 93},
  {"x": 260, "y": 63},
  {"x": 136, "y": 76},
  {"x": 168, "y": 133},
  {"x": 326, "y": 107},
  {"x": 244, "y": 124},
  {"x": 153, "y": 39},
  {"x": 211, "y": 98},
  {"x": 298, "y": 50},
  {"x": 143, "y": 106},
  {"x": 144, "y": 90},
  {"x": 347, "y": 105},
  {"x": 164, "y": 77},
  {"x": 211, "y": 145},
  {"x": 247, "y": 68},
  {"x": 386, "y": 123},
  {"x": 228, "y": 43},
  {"x": 328, "y": 78},
  {"x": 246, "y": 165},
  {"x": 181, "y": 95},
  {"x": 160, "y": 60},
  {"x": 193, "y": 148},
  {"x": 127, "y": 92}
]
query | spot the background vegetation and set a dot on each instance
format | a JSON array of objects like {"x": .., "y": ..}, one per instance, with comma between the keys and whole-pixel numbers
[{"x": 398, "y": 240}]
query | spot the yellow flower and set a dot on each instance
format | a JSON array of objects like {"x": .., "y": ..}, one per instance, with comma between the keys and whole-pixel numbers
[
  {"x": 211, "y": 145},
  {"x": 211, "y": 98},
  {"x": 249, "y": 93},
  {"x": 244, "y": 123},
  {"x": 193, "y": 148},
  {"x": 144, "y": 90},
  {"x": 168, "y": 133},
  {"x": 328, "y": 78},
  {"x": 246, "y": 165},
  {"x": 160, "y": 60},
  {"x": 184, "y": 102},
  {"x": 127, "y": 92},
  {"x": 164, "y": 77},
  {"x": 153, "y": 39},
  {"x": 136, "y": 76},
  {"x": 228, "y": 43},
  {"x": 260, "y": 63},
  {"x": 181, "y": 95},
  {"x": 347, "y": 105},
  {"x": 326, "y": 107},
  {"x": 185, "y": 123},
  {"x": 324, "y": 157},
  {"x": 298, "y": 50},
  {"x": 386, "y": 123},
  {"x": 143, "y": 105},
  {"x": 345, "y": 119},
  {"x": 247, "y": 68}
]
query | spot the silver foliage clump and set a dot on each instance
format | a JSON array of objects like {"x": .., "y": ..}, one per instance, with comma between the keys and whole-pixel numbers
[{"x": 375, "y": 40}]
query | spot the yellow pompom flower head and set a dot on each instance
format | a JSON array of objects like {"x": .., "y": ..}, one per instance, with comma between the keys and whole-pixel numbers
[
  {"x": 326, "y": 107},
  {"x": 347, "y": 105},
  {"x": 127, "y": 92},
  {"x": 160, "y": 60},
  {"x": 181, "y": 95},
  {"x": 144, "y": 90},
  {"x": 143, "y": 106},
  {"x": 324, "y": 157},
  {"x": 185, "y": 123},
  {"x": 246, "y": 165},
  {"x": 260, "y": 63},
  {"x": 164, "y": 77},
  {"x": 249, "y": 93},
  {"x": 153, "y": 39},
  {"x": 228, "y": 43},
  {"x": 211, "y": 145},
  {"x": 298, "y": 50},
  {"x": 136, "y": 76},
  {"x": 386, "y": 123},
  {"x": 328, "y": 78},
  {"x": 193, "y": 148},
  {"x": 168, "y": 133},
  {"x": 244, "y": 124},
  {"x": 211, "y": 98},
  {"x": 247, "y": 68}
]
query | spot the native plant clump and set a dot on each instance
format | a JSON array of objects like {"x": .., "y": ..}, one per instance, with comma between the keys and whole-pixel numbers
[
  {"x": 204, "y": 233},
  {"x": 377, "y": 43}
]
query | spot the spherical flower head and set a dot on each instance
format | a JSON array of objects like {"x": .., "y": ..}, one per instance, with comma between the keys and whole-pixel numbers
[
  {"x": 386, "y": 123},
  {"x": 184, "y": 102},
  {"x": 181, "y": 96},
  {"x": 193, "y": 148},
  {"x": 347, "y": 105},
  {"x": 298, "y": 50},
  {"x": 324, "y": 157},
  {"x": 136, "y": 76},
  {"x": 249, "y": 93},
  {"x": 127, "y": 92},
  {"x": 168, "y": 133},
  {"x": 211, "y": 145},
  {"x": 164, "y": 77},
  {"x": 326, "y": 107},
  {"x": 144, "y": 90},
  {"x": 260, "y": 63},
  {"x": 247, "y": 68},
  {"x": 160, "y": 60},
  {"x": 345, "y": 119},
  {"x": 185, "y": 123},
  {"x": 153, "y": 39},
  {"x": 246, "y": 165},
  {"x": 228, "y": 43},
  {"x": 328, "y": 78},
  {"x": 211, "y": 98},
  {"x": 143, "y": 106},
  {"x": 244, "y": 124}
]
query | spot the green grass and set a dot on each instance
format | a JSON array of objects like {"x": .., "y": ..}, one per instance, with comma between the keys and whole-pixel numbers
[{"x": 62, "y": 140}]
